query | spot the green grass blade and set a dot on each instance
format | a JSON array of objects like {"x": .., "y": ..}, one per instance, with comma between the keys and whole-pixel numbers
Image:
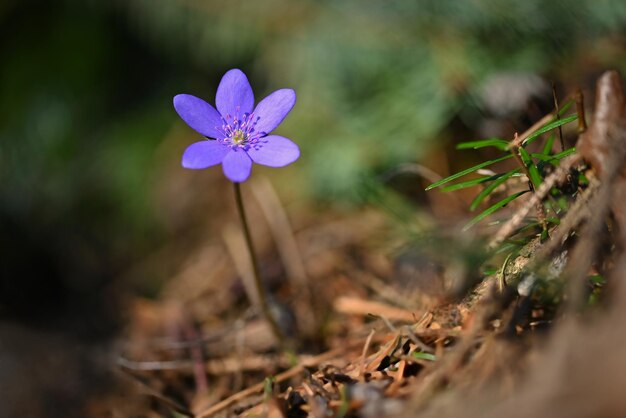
[
  {"x": 548, "y": 127},
  {"x": 467, "y": 171},
  {"x": 344, "y": 406},
  {"x": 535, "y": 177},
  {"x": 501, "y": 144},
  {"x": 470, "y": 183},
  {"x": 493, "y": 208},
  {"x": 420, "y": 355},
  {"x": 547, "y": 147},
  {"x": 487, "y": 190},
  {"x": 554, "y": 157},
  {"x": 566, "y": 107},
  {"x": 564, "y": 154}
]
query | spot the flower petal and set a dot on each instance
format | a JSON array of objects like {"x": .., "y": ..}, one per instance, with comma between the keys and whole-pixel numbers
[
  {"x": 234, "y": 95},
  {"x": 272, "y": 110},
  {"x": 278, "y": 151},
  {"x": 199, "y": 115},
  {"x": 204, "y": 154},
  {"x": 237, "y": 166}
]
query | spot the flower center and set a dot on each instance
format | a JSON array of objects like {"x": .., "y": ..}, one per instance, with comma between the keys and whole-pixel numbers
[
  {"x": 240, "y": 132},
  {"x": 238, "y": 137}
]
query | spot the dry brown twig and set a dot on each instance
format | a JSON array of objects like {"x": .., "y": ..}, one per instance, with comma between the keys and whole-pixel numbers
[
  {"x": 288, "y": 374},
  {"x": 604, "y": 146},
  {"x": 358, "y": 306}
]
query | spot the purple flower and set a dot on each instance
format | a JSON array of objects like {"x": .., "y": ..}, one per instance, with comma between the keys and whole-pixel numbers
[{"x": 237, "y": 132}]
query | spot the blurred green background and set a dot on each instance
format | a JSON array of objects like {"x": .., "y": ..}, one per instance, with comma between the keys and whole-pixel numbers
[{"x": 88, "y": 135}]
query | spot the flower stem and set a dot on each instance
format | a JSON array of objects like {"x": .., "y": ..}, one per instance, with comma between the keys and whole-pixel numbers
[{"x": 258, "y": 285}]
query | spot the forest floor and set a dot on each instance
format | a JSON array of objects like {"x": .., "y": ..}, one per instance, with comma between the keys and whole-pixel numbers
[{"x": 378, "y": 332}]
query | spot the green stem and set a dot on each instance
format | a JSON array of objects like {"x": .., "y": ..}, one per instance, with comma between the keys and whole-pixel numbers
[{"x": 258, "y": 285}]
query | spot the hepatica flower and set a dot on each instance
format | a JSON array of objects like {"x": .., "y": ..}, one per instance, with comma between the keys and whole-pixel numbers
[{"x": 237, "y": 132}]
